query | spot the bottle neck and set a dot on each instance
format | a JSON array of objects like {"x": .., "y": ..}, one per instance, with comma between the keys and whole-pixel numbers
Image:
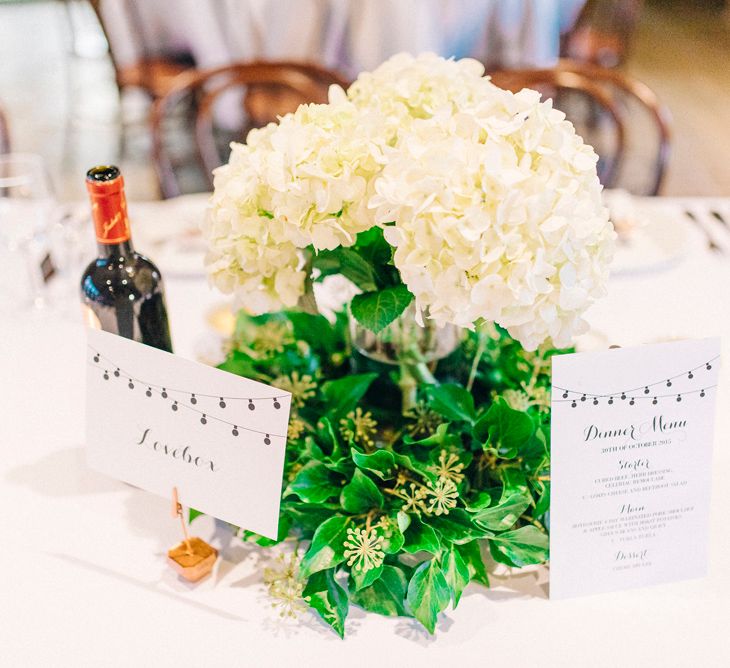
[
  {"x": 109, "y": 213},
  {"x": 121, "y": 249}
]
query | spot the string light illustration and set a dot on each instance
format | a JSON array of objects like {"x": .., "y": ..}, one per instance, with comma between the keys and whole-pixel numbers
[
  {"x": 99, "y": 361},
  {"x": 575, "y": 397}
]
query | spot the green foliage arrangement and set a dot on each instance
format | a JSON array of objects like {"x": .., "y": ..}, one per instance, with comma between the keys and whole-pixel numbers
[{"x": 392, "y": 512}]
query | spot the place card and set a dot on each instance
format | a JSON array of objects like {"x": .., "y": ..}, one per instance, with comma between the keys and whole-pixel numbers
[
  {"x": 631, "y": 457},
  {"x": 158, "y": 421}
]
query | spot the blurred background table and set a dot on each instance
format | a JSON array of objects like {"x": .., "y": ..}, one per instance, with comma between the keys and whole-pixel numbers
[{"x": 345, "y": 35}]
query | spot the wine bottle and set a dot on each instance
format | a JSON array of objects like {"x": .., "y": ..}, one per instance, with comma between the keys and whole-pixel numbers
[{"x": 121, "y": 290}]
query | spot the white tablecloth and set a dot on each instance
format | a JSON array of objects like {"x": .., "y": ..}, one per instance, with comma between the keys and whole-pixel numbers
[
  {"x": 83, "y": 579},
  {"x": 348, "y": 35}
]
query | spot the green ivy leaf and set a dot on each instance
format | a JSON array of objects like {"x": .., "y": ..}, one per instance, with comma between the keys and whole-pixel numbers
[
  {"x": 357, "y": 269},
  {"x": 374, "y": 249},
  {"x": 372, "y": 246},
  {"x": 325, "y": 595},
  {"x": 350, "y": 264},
  {"x": 376, "y": 310},
  {"x": 365, "y": 579},
  {"x": 327, "y": 548},
  {"x": 404, "y": 461},
  {"x": 543, "y": 501},
  {"x": 343, "y": 394},
  {"x": 343, "y": 466},
  {"x": 310, "y": 450},
  {"x": 472, "y": 555},
  {"x": 428, "y": 593},
  {"x": 380, "y": 462},
  {"x": 535, "y": 451},
  {"x": 328, "y": 437},
  {"x": 313, "y": 484},
  {"x": 480, "y": 501},
  {"x": 453, "y": 402},
  {"x": 456, "y": 573},
  {"x": 386, "y": 595},
  {"x": 503, "y": 515},
  {"x": 393, "y": 538},
  {"x": 417, "y": 462},
  {"x": 420, "y": 537},
  {"x": 457, "y": 527},
  {"x": 504, "y": 428},
  {"x": 514, "y": 481},
  {"x": 308, "y": 516},
  {"x": 316, "y": 330},
  {"x": 523, "y": 546},
  {"x": 361, "y": 494},
  {"x": 439, "y": 437}
]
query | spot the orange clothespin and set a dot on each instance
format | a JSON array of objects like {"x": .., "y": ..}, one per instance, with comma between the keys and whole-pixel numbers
[{"x": 192, "y": 559}]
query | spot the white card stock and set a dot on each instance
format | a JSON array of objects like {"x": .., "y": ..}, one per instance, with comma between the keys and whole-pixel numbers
[
  {"x": 631, "y": 457},
  {"x": 159, "y": 421}
]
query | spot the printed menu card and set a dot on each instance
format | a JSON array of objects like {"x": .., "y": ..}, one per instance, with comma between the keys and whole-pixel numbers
[
  {"x": 158, "y": 421},
  {"x": 631, "y": 456}
]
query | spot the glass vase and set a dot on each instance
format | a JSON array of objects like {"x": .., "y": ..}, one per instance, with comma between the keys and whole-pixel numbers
[{"x": 405, "y": 344}]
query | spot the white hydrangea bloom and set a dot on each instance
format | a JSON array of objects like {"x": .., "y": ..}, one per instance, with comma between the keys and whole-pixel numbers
[
  {"x": 494, "y": 208},
  {"x": 405, "y": 88},
  {"x": 304, "y": 181}
]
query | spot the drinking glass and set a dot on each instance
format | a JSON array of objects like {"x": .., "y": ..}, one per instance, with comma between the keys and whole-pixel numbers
[
  {"x": 71, "y": 245},
  {"x": 27, "y": 210}
]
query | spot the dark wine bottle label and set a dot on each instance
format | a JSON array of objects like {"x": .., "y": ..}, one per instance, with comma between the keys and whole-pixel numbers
[
  {"x": 121, "y": 290},
  {"x": 109, "y": 210}
]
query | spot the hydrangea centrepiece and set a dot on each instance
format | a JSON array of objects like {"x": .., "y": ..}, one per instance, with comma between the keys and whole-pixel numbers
[{"x": 490, "y": 200}]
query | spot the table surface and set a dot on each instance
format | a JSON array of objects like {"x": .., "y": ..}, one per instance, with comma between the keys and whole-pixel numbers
[{"x": 83, "y": 576}]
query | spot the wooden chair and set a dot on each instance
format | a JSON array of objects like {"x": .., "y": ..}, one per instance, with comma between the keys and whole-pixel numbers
[
  {"x": 266, "y": 89},
  {"x": 602, "y": 32},
  {"x": 612, "y": 97},
  {"x": 151, "y": 73}
]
